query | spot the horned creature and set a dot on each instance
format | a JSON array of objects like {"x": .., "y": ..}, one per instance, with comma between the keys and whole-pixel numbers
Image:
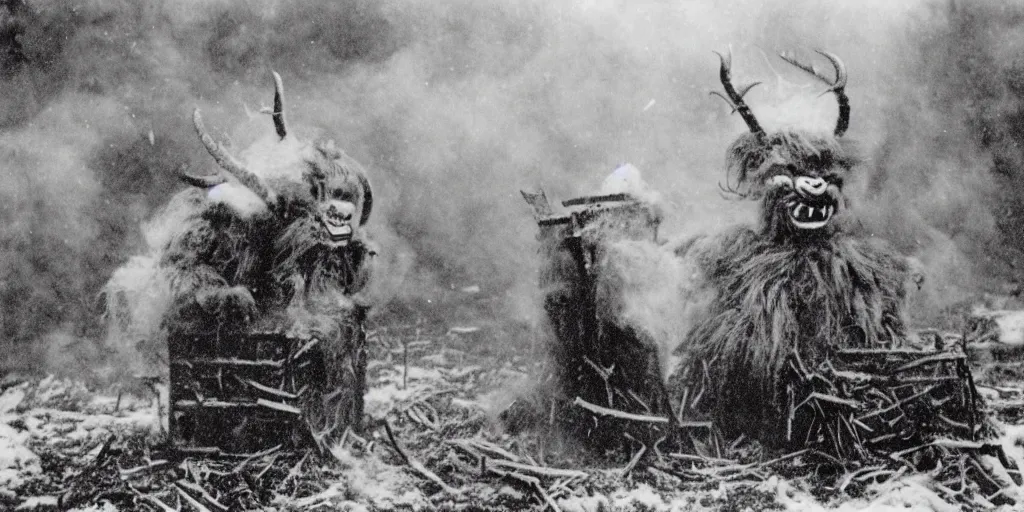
[
  {"x": 276, "y": 236},
  {"x": 267, "y": 259},
  {"x": 800, "y": 284}
]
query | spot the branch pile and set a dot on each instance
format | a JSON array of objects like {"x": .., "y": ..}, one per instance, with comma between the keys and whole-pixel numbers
[
  {"x": 894, "y": 410},
  {"x": 430, "y": 440}
]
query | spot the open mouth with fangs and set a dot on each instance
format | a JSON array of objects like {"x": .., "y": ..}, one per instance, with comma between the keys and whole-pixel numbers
[
  {"x": 807, "y": 216},
  {"x": 339, "y": 230}
]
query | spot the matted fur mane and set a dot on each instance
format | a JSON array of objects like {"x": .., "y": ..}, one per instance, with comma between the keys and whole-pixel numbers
[
  {"x": 302, "y": 248},
  {"x": 217, "y": 249},
  {"x": 322, "y": 268}
]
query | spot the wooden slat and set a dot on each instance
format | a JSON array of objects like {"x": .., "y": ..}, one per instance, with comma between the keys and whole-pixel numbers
[{"x": 229, "y": 362}]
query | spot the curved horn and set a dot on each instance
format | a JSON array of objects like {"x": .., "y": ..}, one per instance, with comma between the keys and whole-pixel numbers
[
  {"x": 229, "y": 164},
  {"x": 278, "y": 113},
  {"x": 367, "y": 199},
  {"x": 208, "y": 181},
  {"x": 837, "y": 86},
  {"x": 735, "y": 98}
]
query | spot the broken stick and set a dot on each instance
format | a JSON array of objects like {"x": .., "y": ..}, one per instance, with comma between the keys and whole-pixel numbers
[
  {"x": 604, "y": 411},
  {"x": 415, "y": 464}
]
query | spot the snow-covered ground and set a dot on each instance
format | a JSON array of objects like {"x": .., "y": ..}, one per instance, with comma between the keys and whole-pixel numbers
[{"x": 52, "y": 428}]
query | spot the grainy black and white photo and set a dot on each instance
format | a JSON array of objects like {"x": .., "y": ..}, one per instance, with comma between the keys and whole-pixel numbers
[{"x": 563, "y": 255}]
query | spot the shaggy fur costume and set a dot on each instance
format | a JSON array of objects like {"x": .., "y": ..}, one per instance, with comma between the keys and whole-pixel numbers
[
  {"x": 233, "y": 266},
  {"x": 779, "y": 290}
]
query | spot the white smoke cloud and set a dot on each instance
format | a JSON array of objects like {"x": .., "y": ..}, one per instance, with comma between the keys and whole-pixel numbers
[{"x": 454, "y": 106}]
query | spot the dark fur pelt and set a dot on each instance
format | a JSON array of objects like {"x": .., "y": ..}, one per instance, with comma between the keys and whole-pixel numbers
[
  {"x": 298, "y": 252},
  {"x": 231, "y": 269},
  {"x": 774, "y": 298}
]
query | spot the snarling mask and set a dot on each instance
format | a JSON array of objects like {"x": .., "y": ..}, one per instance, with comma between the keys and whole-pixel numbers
[{"x": 798, "y": 176}]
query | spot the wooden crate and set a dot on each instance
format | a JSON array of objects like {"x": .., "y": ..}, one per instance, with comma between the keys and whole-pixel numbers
[
  {"x": 903, "y": 406},
  {"x": 884, "y": 400},
  {"x": 244, "y": 393}
]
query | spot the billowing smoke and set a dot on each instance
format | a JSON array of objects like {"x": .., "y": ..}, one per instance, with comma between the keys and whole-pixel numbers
[
  {"x": 455, "y": 105},
  {"x": 950, "y": 153}
]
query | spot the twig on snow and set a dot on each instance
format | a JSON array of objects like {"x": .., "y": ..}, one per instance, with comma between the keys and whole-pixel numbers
[
  {"x": 415, "y": 464},
  {"x": 604, "y": 411}
]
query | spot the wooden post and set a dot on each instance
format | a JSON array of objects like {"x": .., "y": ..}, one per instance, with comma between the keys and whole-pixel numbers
[{"x": 596, "y": 360}]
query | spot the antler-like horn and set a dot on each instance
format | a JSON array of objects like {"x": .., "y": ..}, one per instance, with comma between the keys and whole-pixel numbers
[
  {"x": 229, "y": 164},
  {"x": 278, "y": 112},
  {"x": 837, "y": 86},
  {"x": 735, "y": 98}
]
